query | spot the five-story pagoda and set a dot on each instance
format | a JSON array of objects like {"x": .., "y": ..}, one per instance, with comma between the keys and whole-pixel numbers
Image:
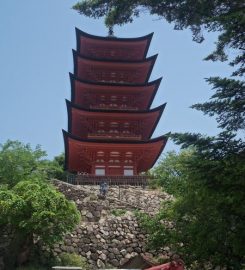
[{"x": 110, "y": 122}]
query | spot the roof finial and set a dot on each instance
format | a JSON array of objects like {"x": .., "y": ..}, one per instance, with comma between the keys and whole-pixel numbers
[{"x": 110, "y": 31}]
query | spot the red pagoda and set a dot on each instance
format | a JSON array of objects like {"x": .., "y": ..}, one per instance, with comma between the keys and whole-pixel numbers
[{"x": 110, "y": 122}]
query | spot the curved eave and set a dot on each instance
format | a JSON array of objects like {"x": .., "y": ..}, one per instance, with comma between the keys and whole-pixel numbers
[
  {"x": 156, "y": 82},
  {"x": 74, "y": 77},
  {"x": 80, "y": 33},
  {"x": 150, "y": 60},
  {"x": 158, "y": 118},
  {"x": 159, "y": 153},
  {"x": 158, "y": 109},
  {"x": 72, "y": 105},
  {"x": 162, "y": 138}
]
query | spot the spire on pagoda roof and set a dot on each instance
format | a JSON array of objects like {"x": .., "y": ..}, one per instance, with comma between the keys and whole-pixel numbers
[{"x": 110, "y": 32}]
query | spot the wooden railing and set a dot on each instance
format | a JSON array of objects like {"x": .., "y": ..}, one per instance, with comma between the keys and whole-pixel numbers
[
  {"x": 136, "y": 180},
  {"x": 119, "y": 136},
  {"x": 117, "y": 108}
]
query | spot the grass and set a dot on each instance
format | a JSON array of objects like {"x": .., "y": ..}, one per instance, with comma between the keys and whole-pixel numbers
[{"x": 118, "y": 212}]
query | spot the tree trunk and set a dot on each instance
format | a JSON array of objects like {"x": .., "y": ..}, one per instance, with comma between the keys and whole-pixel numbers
[{"x": 19, "y": 251}]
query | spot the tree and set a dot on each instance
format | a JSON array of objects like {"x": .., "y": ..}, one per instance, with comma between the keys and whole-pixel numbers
[
  {"x": 224, "y": 16},
  {"x": 169, "y": 172},
  {"x": 55, "y": 169},
  {"x": 35, "y": 210},
  {"x": 29, "y": 204},
  {"x": 227, "y": 105},
  {"x": 205, "y": 222},
  {"x": 19, "y": 162}
]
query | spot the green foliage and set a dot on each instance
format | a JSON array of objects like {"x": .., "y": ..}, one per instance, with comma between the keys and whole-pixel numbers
[
  {"x": 118, "y": 212},
  {"x": 210, "y": 210},
  {"x": 35, "y": 207},
  {"x": 153, "y": 184},
  {"x": 206, "y": 223},
  {"x": 29, "y": 204},
  {"x": 20, "y": 162},
  {"x": 227, "y": 17},
  {"x": 55, "y": 168},
  {"x": 227, "y": 103},
  {"x": 170, "y": 172},
  {"x": 72, "y": 259},
  {"x": 109, "y": 266}
]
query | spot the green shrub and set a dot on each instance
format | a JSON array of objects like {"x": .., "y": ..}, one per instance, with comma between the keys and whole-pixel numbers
[
  {"x": 153, "y": 184},
  {"x": 72, "y": 259},
  {"x": 109, "y": 266},
  {"x": 118, "y": 212}
]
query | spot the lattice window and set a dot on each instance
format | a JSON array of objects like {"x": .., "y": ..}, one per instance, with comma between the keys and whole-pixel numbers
[
  {"x": 102, "y": 98},
  {"x": 100, "y": 154},
  {"x": 114, "y": 124},
  {"x": 128, "y": 154},
  {"x": 113, "y": 74},
  {"x": 100, "y": 161},
  {"x": 113, "y": 98},
  {"x": 114, "y": 154}
]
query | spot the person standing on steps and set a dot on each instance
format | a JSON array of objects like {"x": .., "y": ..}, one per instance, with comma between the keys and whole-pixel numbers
[{"x": 103, "y": 188}]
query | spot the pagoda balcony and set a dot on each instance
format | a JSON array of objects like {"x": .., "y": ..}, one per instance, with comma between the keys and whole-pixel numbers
[
  {"x": 115, "y": 108},
  {"x": 112, "y": 180},
  {"x": 114, "y": 136}
]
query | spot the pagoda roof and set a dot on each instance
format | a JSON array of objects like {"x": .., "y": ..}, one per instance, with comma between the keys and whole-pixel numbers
[
  {"x": 147, "y": 152},
  {"x": 77, "y": 115},
  {"x": 112, "y": 47},
  {"x": 112, "y": 70},
  {"x": 79, "y": 88}
]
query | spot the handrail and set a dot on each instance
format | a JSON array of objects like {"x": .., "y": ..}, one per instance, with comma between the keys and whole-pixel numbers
[{"x": 136, "y": 180}]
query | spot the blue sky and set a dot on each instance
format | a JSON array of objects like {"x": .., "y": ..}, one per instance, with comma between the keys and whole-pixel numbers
[{"x": 37, "y": 38}]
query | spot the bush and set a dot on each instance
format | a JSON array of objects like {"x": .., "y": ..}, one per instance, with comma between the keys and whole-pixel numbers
[
  {"x": 118, "y": 212},
  {"x": 72, "y": 259},
  {"x": 153, "y": 184}
]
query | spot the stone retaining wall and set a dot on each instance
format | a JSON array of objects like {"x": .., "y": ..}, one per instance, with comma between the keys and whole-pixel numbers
[{"x": 109, "y": 234}]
